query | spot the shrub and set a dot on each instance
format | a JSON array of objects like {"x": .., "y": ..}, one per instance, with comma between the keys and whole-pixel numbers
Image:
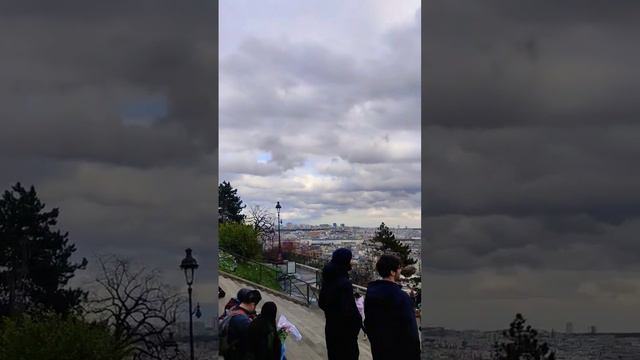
[
  {"x": 56, "y": 338},
  {"x": 240, "y": 239}
]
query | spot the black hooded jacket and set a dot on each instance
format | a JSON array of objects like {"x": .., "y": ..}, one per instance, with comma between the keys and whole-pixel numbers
[
  {"x": 390, "y": 322},
  {"x": 336, "y": 298}
]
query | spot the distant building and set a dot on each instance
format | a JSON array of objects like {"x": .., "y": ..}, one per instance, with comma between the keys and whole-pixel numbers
[{"x": 569, "y": 329}]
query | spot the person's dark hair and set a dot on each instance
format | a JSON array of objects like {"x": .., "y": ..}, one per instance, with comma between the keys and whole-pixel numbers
[
  {"x": 386, "y": 264},
  {"x": 269, "y": 311},
  {"x": 242, "y": 293},
  {"x": 252, "y": 297}
]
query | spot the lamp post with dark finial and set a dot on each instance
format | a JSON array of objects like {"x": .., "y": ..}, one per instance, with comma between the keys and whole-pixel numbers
[
  {"x": 278, "y": 207},
  {"x": 189, "y": 265}
]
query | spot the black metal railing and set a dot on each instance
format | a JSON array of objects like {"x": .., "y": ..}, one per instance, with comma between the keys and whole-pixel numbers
[
  {"x": 301, "y": 289},
  {"x": 275, "y": 278}
]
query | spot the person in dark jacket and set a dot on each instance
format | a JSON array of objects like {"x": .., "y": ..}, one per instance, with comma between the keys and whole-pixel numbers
[
  {"x": 264, "y": 342},
  {"x": 239, "y": 324},
  {"x": 389, "y": 317},
  {"x": 343, "y": 321}
]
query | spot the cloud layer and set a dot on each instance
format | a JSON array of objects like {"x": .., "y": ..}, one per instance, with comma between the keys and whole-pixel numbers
[
  {"x": 331, "y": 132},
  {"x": 531, "y": 136},
  {"x": 109, "y": 111}
]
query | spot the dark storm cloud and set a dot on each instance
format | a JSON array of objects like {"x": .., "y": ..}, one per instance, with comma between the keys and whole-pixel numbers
[
  {"x": 70, "y": 71},
  {"x": 530, "y": 126},
  {"x": 555, "y": 66}
]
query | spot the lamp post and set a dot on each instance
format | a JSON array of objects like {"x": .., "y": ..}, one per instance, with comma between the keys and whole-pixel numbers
[
  {"x": 189, "y": 266},
  {"x": 278, "y": 207}
]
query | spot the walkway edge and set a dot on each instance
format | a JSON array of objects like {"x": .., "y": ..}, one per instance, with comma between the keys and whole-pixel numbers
[{"x": 262, "y": 288}]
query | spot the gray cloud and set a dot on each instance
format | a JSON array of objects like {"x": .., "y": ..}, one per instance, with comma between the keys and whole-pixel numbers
[
  {"x": 340, "y": 127},
  {"x": 530, "y": 136},
  {"x": 70, "y": 72}
]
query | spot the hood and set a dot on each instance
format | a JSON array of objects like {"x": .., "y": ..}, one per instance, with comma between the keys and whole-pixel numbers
[{"x": 339, "y": 265}]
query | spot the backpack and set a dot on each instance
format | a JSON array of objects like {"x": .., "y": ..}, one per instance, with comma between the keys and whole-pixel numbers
[{"x": 226, "y": 346}]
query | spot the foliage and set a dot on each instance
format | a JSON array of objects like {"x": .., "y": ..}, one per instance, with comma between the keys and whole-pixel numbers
[
  {"x": 258, "y": 273},
  {"x": 53, "y": 337},
  {"x": 521, "y": 343},
  {"x": 386, "y": 242},
  {"x": 226, "y": 261},
  {"x": 240, "y": 239},
  {"x": 34, "y": 257},
  {"x": 230, "y": 204},
  {"x": 136, "y": 305}
]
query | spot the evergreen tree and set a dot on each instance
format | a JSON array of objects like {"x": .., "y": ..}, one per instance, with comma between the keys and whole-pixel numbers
[
  {"x": 34, "y": 257},
  {"x": 229, "y": 203},
  {"x": 385, "y": 241},
  {"x": 521, "y": 343}
]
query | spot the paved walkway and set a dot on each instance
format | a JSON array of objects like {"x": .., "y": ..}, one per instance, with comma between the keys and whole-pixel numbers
[{"x": 309, "y": 320}]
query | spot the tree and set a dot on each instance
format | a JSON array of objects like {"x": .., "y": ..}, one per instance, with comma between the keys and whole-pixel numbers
[
  {"x": 263, "y": 223},
  {"x": 136, "y": 305},
  {"x": 385, "y": 241},
  {"x": 240, "y": 239},
  {"x": 52, "y": 336},
  {"x": 34, "y": 257},
  {"x": 229, "y": 203},
  {"x": 521, "y": 343}
]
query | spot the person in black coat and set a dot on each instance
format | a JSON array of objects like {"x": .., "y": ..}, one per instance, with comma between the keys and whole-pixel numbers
[
  {"x": 343, "y": 321},
  {"x": 389, "y": 317}
]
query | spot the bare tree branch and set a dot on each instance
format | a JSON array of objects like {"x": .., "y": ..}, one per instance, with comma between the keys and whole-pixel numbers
[
  {"x": 137, "y": 305},
  {"x": 263, "y": 222}
]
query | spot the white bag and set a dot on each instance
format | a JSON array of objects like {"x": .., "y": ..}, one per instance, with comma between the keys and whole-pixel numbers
[
  {"x": 360, "y": 306},
  {"x": 289, "y": 327}
]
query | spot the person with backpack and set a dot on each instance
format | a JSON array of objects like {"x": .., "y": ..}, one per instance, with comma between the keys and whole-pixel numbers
[
  {"x": 234, "y": 328},
  {"x": 390, "y": 319},
  {"x": 264, "y": 342},
  {"x": 343, "y": 320},
  {"x": 233, "y": 303}
]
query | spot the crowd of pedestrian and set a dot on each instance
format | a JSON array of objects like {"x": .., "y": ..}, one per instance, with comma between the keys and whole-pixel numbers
[
  {"x": 387, "y": 316},
  {"x": 245, "y": 335}
]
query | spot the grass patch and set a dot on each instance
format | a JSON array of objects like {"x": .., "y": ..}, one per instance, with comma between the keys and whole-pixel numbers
[{"x": 259, "y": 274}]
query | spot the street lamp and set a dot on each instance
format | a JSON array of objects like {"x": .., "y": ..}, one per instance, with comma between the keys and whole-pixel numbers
[
  {"x": 189, "y": 266},
  {"x": 278, "y": 207}
]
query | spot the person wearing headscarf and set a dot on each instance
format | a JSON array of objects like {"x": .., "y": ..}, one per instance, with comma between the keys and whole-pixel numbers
[
  {"x": 343, "y": 320},
  {"x": 263, "y": 340}
]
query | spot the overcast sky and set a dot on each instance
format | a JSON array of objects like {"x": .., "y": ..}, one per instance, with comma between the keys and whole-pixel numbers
[
  {"x": 532, "y": 140},
  {"x": 320, "y": 108},
  {"x": 108, "y": 108}
]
